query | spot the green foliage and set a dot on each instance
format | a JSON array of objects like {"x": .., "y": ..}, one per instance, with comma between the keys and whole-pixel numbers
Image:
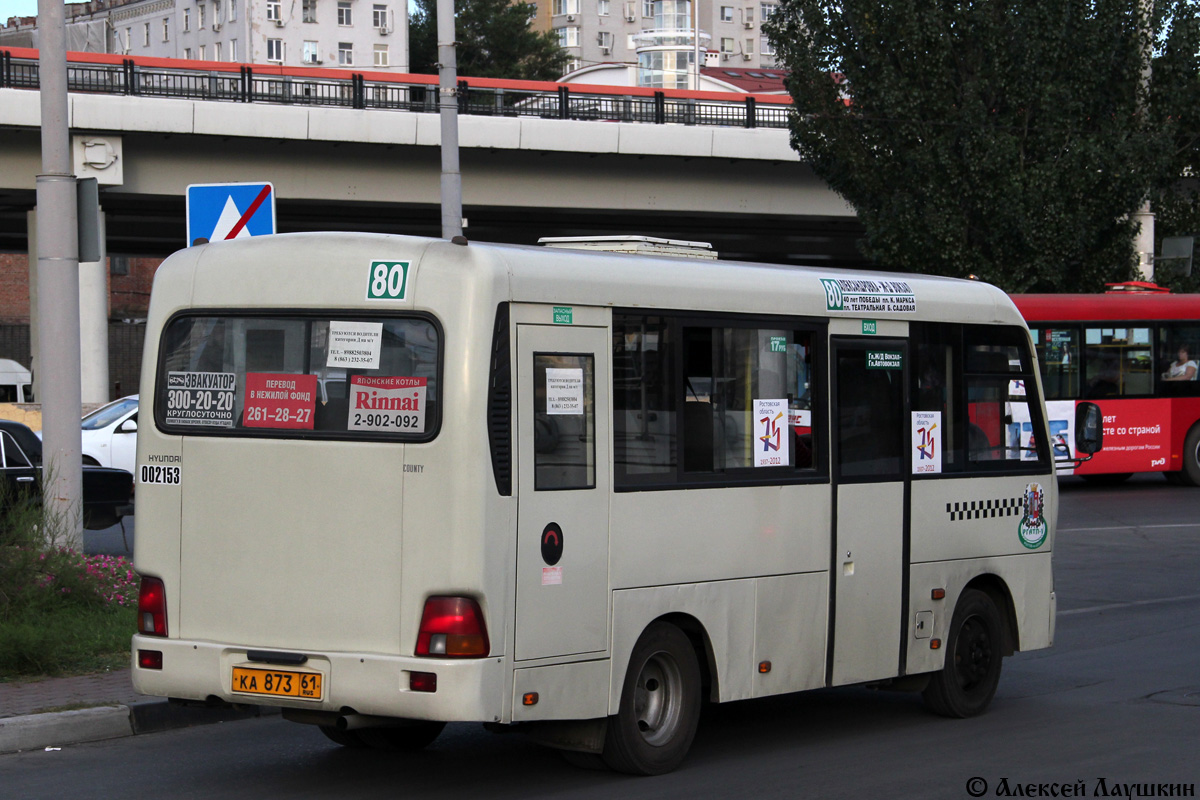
[
  {"x": 1176, "y": 101},
  {"x": 1011, "y": 140},
  {"x": 494, "y": 41},
  {"x": 60, "y": 610},
  {"x": 65, "y": 641}
]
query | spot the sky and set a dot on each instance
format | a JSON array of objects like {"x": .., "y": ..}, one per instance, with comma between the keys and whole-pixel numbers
[{"x": 17, "y": 8}]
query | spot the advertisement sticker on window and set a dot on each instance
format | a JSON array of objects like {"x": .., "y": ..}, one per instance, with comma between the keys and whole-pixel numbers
[
  {"x": 390, "y": 404},
  {"x": 926, "y": 442},
  {"x": 200, "y": 399},
  {"x": 564, "y": 391},
  {"x": 772, "y": 438},
  {"x": 355, "y": 344},
  {"x": 280, "y": 401}
]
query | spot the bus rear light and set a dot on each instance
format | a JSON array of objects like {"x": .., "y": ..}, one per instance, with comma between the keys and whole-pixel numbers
[
  {"x": 422, "y": 681},
  {"x": 150, "y": 659},
  {"x": 152, "y": 608},
  {"x": 452, "y": 627}
]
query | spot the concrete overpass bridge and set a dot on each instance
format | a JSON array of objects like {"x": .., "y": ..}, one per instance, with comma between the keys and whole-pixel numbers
[{"x": 360, "y": 152}]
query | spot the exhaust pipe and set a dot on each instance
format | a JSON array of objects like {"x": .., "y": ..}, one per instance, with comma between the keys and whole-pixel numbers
[{"x": 350, "y": 722}]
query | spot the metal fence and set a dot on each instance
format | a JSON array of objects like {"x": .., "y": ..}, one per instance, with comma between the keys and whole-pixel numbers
[{"x": 354, "y": 91}]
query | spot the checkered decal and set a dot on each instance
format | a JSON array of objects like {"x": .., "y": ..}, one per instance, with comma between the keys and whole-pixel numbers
[{"x": 985, "y": 509}]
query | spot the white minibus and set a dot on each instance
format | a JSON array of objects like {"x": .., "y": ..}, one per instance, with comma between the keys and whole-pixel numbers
[{"x": 387, "y": 483}]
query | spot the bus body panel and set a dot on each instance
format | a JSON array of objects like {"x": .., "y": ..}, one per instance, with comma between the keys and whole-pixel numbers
[
  {"x": 791, "y": 631},
  {"x": 953, "y": 518},
  {"x": 578, "y": 690},
  {"x": 247, "y": 557},
  {"x": 867, "y": 575},
  {"x": 747, "y": 531},
  {"x": 724, "y": 610},
  {"x": 468, "y": 691},
  {"x": 1026, "y": 579}
]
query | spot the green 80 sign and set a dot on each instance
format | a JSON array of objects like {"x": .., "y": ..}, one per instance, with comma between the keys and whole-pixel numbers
[{"x": 387, "y": 280}]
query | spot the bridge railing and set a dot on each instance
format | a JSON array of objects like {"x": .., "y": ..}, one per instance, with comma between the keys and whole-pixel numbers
[{"x": 94, "y": 73}]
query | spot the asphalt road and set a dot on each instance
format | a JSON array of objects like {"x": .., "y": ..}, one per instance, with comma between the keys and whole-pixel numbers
[{"x": 1116, "y": 699}]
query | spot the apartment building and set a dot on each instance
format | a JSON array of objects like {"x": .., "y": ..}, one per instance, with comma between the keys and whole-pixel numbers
[
  {"x": 341, "y": 34},
  {"x": 658, "y": 35}
]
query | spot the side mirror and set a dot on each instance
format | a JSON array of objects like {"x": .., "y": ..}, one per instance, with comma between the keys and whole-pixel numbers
[
  {"x": 1089, "y": 429},
  {"x": 128, "y": 426}
]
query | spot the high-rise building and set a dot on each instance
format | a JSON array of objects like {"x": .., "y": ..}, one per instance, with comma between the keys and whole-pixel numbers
[
  {"x": 658, "y": 36},
  {"x": 346, "y": 34}
]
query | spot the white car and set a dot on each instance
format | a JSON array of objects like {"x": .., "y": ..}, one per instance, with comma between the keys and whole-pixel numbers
[{"x": 110, "y": 434}]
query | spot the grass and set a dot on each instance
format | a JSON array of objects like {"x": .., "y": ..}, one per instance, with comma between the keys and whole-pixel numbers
[
  {"x": 61, "y": 612},
  {"x": 65, "y": 641}
]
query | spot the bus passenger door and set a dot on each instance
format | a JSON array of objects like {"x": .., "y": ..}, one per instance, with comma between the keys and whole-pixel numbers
[
  {"x": 563, "y": 437},
  {"x": 870, "y": 429}
]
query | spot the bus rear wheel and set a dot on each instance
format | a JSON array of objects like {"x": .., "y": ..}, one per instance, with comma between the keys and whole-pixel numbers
[
  {"x": 414, "y": 736},
  {"x": 660, "y": 705},
  {"x": 974, "y": 649},
  {"x": 344, "y": 738}
]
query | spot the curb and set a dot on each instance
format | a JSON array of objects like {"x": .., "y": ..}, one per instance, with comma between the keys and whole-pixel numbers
[{"x": 37, "y": 731}]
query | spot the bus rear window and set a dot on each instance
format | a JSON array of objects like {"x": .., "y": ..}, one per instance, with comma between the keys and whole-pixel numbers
[{"x": 340, "y": 376}]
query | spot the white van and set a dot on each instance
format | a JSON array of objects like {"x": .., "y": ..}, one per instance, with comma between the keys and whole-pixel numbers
[{"x": 15, "y": 382}]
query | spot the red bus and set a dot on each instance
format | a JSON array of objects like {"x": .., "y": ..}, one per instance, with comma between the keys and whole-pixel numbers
[{"x": 1134, "y": 352}]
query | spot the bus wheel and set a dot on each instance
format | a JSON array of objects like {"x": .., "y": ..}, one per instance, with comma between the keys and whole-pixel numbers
[
  {"x": 344, "y": 738},
  {"x": 414, "y": 736},
  {"x": 974, "y": 648},
  {"x": 1191, "y": 456},
  {"x": 660, "y": 705}
]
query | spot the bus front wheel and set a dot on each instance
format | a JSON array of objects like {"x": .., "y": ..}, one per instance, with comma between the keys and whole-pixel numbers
[
  {"x": 660, "y": 705},
  {"x": 1191, "y": 456},
  {"x": 974, "y": 649}
]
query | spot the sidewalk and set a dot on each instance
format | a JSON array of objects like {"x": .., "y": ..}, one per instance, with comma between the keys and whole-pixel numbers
[{"x": 56, "y": 711}]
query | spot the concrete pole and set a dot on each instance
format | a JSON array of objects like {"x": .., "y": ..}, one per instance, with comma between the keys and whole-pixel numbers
[
  {"x": 696, "y": 41},
  {"x": 35, "y": 356},
  {"x": 58, "y": 287},
  {"x": 93, "y": 327},
  {"x": 1145, "y": 216},
  {"x": 448, "y": 110}
]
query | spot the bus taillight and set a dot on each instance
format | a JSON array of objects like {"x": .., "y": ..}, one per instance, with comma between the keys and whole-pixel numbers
[
  {"x": 452, "y": 627},
  {"x": 152, "y": 608}
]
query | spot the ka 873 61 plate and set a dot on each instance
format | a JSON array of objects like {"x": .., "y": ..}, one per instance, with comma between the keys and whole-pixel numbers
[{"x": 278, "y": 683}]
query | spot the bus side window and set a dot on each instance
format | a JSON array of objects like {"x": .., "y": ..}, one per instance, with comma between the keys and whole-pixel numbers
[
  {"x": 1172, "y": 337},
  {"x": 1117, "y": 362},
  {"x": 1004, "y": 425},
  {"x": 1058, "y": 355},
  {"x": 936, "y": 387}
]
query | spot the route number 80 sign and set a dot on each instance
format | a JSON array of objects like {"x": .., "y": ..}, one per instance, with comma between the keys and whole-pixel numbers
[{"x": 388, "y": 280}]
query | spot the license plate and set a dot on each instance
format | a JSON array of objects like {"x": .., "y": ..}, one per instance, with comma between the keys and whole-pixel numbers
[{"x": 277, "y": 683}]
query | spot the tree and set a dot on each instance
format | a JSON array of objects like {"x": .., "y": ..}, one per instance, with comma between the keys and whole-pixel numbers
[
  {"x": 1175, "y": 97},
  {"x": 1012, "y": 140},
  {"x": 494, "y": 41}
]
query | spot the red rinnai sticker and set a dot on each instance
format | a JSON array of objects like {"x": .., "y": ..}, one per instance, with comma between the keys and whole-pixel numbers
[{"x": 280, "y": 401}]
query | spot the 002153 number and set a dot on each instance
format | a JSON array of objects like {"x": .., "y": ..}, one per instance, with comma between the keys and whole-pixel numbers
[{"x": 150, "y": 473}]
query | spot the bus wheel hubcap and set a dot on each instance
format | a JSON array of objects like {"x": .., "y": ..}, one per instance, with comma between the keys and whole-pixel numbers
[{"x": 658, "y": 698}]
